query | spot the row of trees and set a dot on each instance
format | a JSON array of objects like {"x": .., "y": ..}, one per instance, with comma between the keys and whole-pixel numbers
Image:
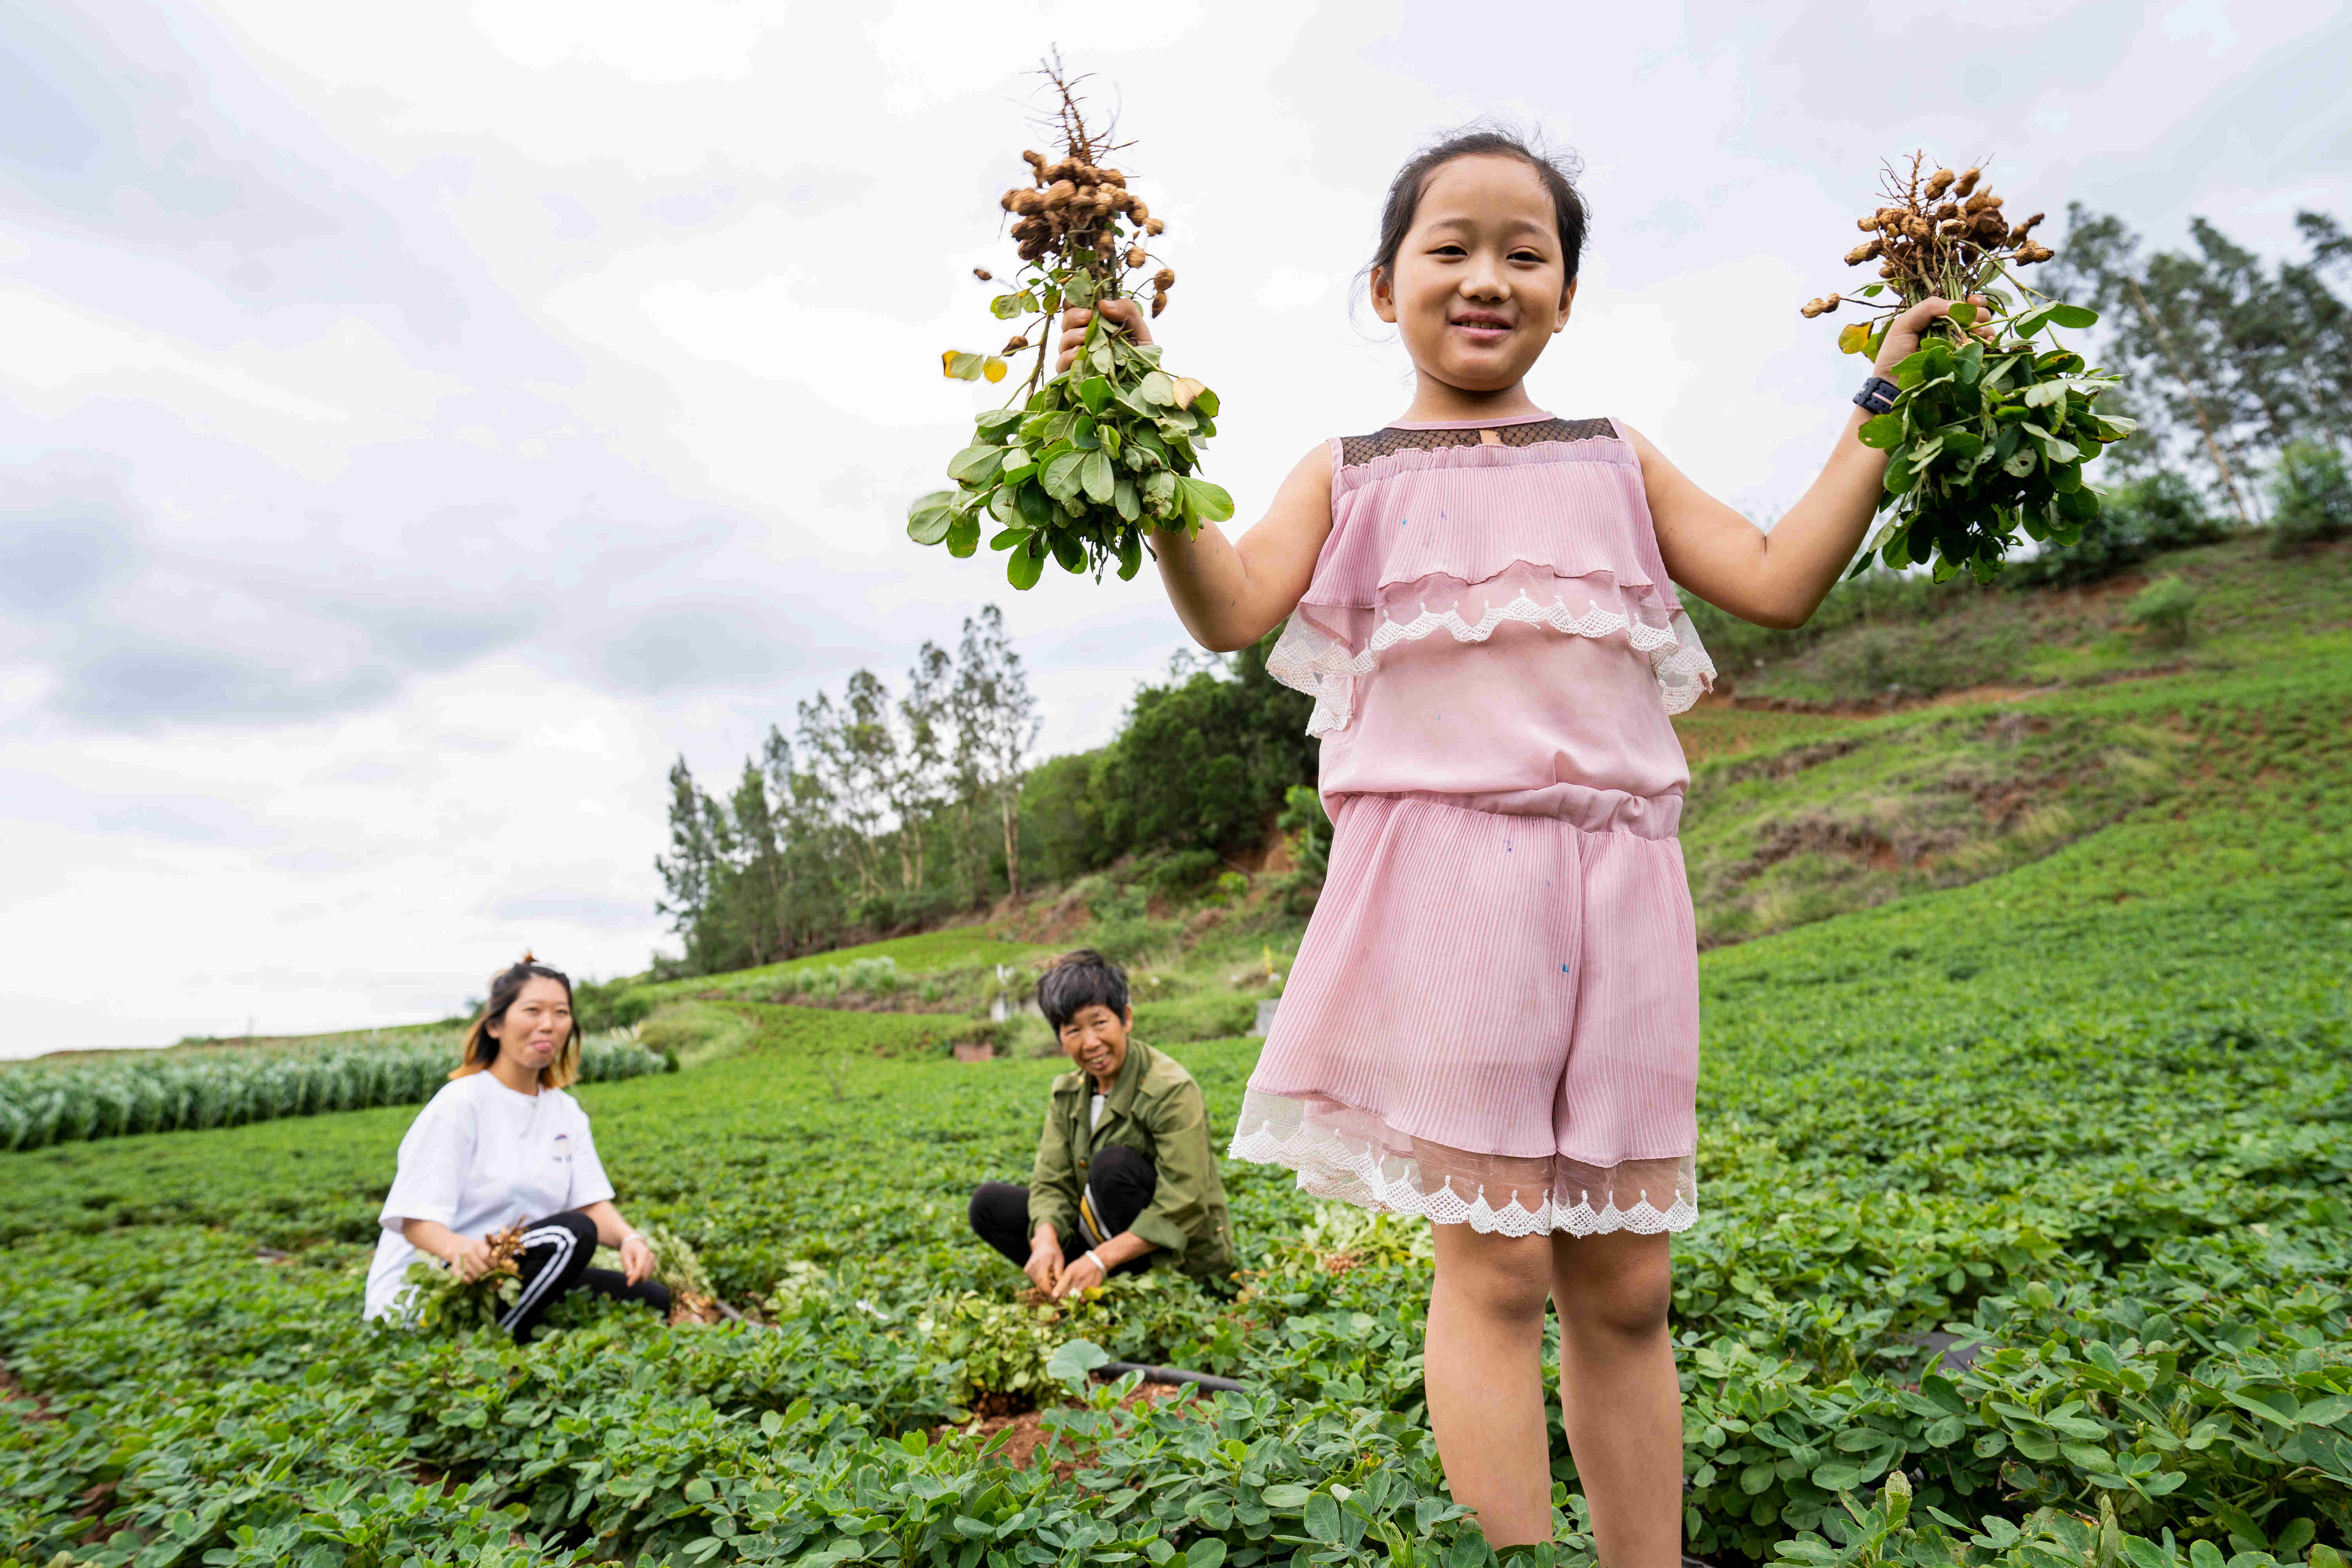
[
  {"x": 877, "y": 810},
  {"x": 883, "y": 811},
  {"x": 2240, "y": 371}
]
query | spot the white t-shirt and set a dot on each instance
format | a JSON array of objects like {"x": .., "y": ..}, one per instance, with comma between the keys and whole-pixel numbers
[
  {"x": 1098, "y": 1110},
  {"x": 477, "y": 1158}
]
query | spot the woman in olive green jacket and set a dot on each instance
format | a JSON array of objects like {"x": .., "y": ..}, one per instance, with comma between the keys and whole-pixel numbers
[{"x": 1125, "y": 1173}]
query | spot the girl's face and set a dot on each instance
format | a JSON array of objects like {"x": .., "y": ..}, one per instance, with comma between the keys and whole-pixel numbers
[
  {"x": 536, "y": 1025},
  {"x": 1479, "y": 285}
]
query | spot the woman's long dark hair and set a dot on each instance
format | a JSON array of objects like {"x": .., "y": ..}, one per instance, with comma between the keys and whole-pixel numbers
[
  {"x": 1557, "y": 170},
  {"x": 482, "y": 1047}
]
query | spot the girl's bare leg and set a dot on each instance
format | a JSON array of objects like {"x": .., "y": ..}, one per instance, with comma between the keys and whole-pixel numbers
[
  {"x": 1483, "y": 1363},
  {"x": 1618, "y": 1394}
]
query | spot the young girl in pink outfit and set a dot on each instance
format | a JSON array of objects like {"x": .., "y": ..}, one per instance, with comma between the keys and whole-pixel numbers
[{"x": 1493, "y": 1018}]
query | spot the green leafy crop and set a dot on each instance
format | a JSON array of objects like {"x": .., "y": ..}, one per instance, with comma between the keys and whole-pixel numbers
[
  {"x": 1079, "y": 468},
  {"x": 1988, "y": 433}
]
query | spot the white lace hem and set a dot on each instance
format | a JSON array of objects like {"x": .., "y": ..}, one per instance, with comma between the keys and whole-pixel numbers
[
  {"x": 1333, "y": 1166},
  {"x": 1307, "y": 658}
]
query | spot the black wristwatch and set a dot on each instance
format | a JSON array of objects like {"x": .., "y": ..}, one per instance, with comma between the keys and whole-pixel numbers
[{"x": 1877, "y": 394}]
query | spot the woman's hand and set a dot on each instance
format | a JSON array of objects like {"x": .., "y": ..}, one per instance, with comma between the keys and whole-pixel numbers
[
  {"x": 1903, "y": 334},
  {"x": 1085, "y": 1274},
  {"x": 637, "y": 1258},
  {"x": 1044, "y": 1265},
  {"x": 1125, "y": 314},
  {"x": 468, "y": 1256}
]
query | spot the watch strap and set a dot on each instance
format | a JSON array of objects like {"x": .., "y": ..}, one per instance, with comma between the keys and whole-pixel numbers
[{"x": 1877, "y": 394}]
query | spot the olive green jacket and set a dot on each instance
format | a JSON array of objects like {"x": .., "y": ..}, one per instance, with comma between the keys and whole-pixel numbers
[{"x": 1156, "y": 1110}]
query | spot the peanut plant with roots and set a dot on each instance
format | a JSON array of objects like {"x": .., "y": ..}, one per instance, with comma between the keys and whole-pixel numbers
[
  {"x": 1989, "y": 434},
  {"x": 1076, "y": 467}
]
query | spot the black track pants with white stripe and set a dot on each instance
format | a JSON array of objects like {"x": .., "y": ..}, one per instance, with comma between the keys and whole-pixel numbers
[{"x": 555, "y": 1259}]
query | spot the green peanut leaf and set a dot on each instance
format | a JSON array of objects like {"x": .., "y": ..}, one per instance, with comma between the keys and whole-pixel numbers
[
  {"x": 1095, "y": 474},
  {"x": 928, "y": 519},
  {"x": 1882, "y": 431},
  {"x": 975, "y": 464},
  {"x": 1204, "y": 501},
  {"x": 1834, "y": 1478},
  {"x": 1025, "y": 565},
  {"x": 1061, "y": 478}
]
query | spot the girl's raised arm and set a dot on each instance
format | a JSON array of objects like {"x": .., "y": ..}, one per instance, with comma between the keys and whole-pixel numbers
[
  {"x": 1776, "y": 579},
  {"x": 1230, "y": 592}
]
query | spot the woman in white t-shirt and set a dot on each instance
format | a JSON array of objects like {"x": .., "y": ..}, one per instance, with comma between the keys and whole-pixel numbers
[{"x": 502, "y": 1144}]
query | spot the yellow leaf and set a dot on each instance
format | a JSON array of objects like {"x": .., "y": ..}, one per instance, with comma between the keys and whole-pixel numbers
[
  {"x": 1854, "y": 339},
  {"x": 1187, "y": 389},
  {"x": 947, "y": 362},
  {"x": 995, "y": 369}
]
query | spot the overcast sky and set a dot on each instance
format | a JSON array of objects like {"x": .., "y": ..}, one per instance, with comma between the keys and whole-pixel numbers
[{"x": 419, "y": 424}]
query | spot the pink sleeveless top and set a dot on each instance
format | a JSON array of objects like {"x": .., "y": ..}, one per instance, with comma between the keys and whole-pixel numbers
[{"x": 1490, "y": 623}]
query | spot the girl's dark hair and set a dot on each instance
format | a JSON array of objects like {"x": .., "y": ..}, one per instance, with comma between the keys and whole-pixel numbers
[
  {"x": 482, "y": 1047},
  {"x": 1557, "y": 170},
  {"x": 1078, "y": 980}
]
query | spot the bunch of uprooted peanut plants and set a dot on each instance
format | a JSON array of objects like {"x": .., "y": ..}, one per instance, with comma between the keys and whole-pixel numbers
[
  {"x": 1076, "y": 467},
  {"x": 1989, "y": 432}
]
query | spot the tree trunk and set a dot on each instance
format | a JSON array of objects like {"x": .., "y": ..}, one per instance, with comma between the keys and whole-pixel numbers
[{"x": 1010, "y": 804}]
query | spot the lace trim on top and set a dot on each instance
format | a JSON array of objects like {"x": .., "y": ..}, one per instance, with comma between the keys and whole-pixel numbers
[
  {"x": 1328, "y": 646},
  {"x": 1325, "y": 647},
  {"x": 1355, "y": 449},
  {"x": 1353, "y": 1156}
]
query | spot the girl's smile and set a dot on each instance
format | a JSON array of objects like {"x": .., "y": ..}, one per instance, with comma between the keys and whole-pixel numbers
[{"x": 1482, "y": 327}]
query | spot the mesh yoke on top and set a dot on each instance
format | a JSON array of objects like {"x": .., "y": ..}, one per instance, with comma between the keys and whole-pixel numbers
[{"x": 1356, "y": 449}]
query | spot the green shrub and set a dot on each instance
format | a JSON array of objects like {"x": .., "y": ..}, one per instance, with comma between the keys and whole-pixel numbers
[
  {"x": 1184, "y": 871},
  {"x": 2136, "y": 521},
  {"x": 2311, "y": 491},
  {"x": 1303, "y": 818},
  {"x": 2162, "y": 610}
]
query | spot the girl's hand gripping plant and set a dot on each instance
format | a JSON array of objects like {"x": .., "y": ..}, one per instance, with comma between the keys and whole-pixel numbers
[
  {"x": 1985, "y": 434},
  {"x": 1104, "y": 448}
]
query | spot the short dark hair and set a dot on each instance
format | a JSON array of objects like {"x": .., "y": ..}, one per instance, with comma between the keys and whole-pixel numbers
[
  {"x": 1557, "y": 170},
  {"x": 1079, "y": 980}
]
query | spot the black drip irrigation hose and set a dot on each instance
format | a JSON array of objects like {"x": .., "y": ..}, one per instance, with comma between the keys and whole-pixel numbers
[{"x": 1171, "y": 1375}]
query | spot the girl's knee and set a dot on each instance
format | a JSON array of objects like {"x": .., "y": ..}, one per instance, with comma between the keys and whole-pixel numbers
[
  {"x": 1500, "y": 1276},
  {"x": 1625, "y": 1296}
]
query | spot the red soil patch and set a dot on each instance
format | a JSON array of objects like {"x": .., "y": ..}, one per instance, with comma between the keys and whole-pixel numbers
[{"x": 1025, "y": 1437}]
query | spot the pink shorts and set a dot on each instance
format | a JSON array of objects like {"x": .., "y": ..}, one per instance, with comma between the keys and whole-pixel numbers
[{"x": 1492, "y": 1020}]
